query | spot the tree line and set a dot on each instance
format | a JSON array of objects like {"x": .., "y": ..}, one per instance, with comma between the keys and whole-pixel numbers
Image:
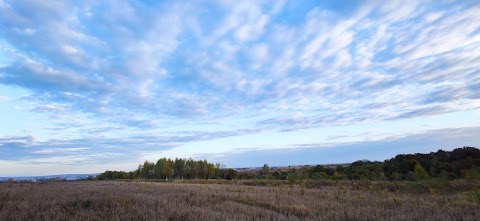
[
  {"x": 461, "y": 163},
  {"x": 167, "y": 169},
  {"x": 446, "y": 165}
]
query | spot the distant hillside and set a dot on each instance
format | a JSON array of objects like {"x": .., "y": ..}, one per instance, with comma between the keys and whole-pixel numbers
[{"x": 52, "y": 177}]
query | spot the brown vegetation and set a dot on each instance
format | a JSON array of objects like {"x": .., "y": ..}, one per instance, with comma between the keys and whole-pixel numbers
[{"x": 101, "y": 200}]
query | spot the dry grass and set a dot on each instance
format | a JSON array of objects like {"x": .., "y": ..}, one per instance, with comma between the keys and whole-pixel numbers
[{"x": 180, "y": 201}]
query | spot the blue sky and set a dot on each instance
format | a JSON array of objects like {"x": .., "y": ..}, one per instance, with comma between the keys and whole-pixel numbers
[{"x": 87, "y": 86}]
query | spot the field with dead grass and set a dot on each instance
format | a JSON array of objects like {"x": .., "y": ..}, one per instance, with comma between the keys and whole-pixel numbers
[{"x": 103, "y": 200}]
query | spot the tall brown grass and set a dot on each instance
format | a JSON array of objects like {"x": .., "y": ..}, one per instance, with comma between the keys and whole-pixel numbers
[{"x": 101, "y": 200}]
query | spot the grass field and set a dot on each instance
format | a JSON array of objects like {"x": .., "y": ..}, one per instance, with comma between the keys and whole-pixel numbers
[{"x": 103, "y": 200}]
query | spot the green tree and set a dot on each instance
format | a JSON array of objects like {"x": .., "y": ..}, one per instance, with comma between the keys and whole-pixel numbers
[
  {"x": 339, "y": 176},
  {"x": 147, "y": 170},
  {"x": 159, "y": 169},
  {"x": 266, "y": 170},
  {"x": 292, "y": 178},
  {"x": 179, "y": 168},
  {"x": 382, "y": 177},
  {"x": 210, "y": 171},
  {"x": 473, "y": 173},
  {"x": 190, "y": 169},
  {"x": 163, "y": 169},
  {"x": 420, "y": 173},
  {"x": 318, "y": 169},
  {"x": 217, "y": 171},
  {"x": 303, "y": 174},
  {"x": 229, "y": 174}
]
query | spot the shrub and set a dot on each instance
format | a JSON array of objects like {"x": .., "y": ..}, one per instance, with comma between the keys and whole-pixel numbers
[
  {"x": 292, "y": 178},
  {"x": 473, "y": 196}
]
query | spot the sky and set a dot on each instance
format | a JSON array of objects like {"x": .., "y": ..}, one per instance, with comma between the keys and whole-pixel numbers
[{"x": 87, "y": 86}]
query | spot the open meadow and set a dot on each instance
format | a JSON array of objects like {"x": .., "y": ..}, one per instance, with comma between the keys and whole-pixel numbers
[{"x": 341, "y": 200}]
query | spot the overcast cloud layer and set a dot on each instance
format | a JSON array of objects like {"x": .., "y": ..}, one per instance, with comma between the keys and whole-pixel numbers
[{"x": 118, "y": 81}]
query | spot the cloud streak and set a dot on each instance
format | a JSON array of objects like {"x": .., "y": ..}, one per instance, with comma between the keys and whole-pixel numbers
[{"x": 151, "y": 62}]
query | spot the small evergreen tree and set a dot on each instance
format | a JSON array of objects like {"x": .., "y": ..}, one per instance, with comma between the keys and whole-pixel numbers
[
  {"x": 266, "y": 170},
  {"x": 420, "y": 173}
]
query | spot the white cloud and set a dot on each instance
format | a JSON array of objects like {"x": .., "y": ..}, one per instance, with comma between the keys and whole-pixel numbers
[
  {"x": 397, "y": 11},
  {"x": 245, "y": 21},
  {"x": 252, "y": 30},
  {"x": 133, "y": 65},
  {"x": 4, "y": 98},
  {"x": 259, "y": 54}
]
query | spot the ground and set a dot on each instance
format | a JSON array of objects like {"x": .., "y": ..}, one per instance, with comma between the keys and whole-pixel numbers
[{"x": 103, "y": 200}]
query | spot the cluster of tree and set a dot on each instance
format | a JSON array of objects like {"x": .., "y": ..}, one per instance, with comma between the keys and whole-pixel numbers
[
  {"x": 448, "y": 165},
  {"x": 166, "y": 169},
  {"x": 459, "y": 163}
]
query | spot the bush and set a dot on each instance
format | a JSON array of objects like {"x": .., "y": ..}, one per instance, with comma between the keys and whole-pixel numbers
[
  {"x": 292, "y": 178},
  {"x": 473, "y": 196},
  {"x": 473, "y": 173}
]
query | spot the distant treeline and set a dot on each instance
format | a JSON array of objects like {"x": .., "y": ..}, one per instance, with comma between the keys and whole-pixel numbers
[
  {"x": 446, "y": 165},
  {"x": 166, "y": 169}
]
